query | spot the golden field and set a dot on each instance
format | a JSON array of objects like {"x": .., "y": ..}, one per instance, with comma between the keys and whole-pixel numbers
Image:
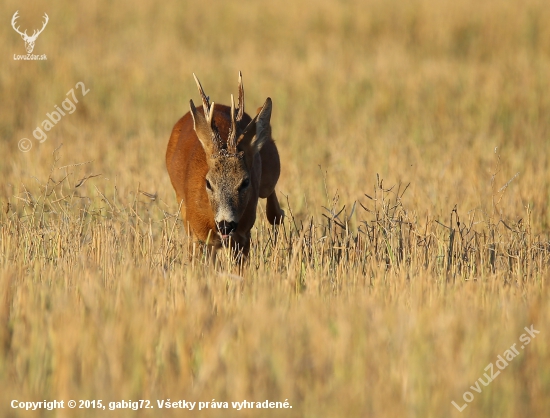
[{"x": 413, "y": 254}]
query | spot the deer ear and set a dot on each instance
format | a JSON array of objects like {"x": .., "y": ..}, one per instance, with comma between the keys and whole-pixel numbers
[
  {"x": 202, "y": 129},
  {"x": 257, "y": 132}
]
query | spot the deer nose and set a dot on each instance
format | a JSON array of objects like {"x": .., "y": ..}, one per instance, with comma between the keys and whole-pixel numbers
[{"x": 226, "y": 228}]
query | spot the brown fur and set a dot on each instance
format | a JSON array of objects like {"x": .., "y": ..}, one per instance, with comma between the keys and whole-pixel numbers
[{"x": 190, "y": 161}]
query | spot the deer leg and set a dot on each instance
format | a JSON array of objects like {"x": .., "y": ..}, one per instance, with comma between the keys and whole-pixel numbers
[
  {"x": 273, "y": 211},
  {"x": 241, "y": 244}
]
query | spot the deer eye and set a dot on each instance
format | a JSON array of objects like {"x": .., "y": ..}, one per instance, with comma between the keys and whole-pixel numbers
[
  {"x": 208, "y": 185},
  {"x": 245, "y": 184}
]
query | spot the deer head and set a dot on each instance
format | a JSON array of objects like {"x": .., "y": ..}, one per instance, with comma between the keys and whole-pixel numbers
[
  {"x": 230, "y": 182},
  {"x": 29, "y": 40}
]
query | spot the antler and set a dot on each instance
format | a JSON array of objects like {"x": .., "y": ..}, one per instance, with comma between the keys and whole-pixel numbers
[
  {"x": 35, "y": 33},
  {"x": 208, "y": 115},
  {"x": 207, "y": 107},
  {"x": 241, "y": 98},
  {"x": 210, "y": 128},
  {"x": 13, "y": 19},
  {"x": 232, "y": 139}
]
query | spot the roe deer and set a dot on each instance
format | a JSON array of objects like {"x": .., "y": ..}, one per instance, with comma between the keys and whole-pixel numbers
[{"x": 220, "y": 161}]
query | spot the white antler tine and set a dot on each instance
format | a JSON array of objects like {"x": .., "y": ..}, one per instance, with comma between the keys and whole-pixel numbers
[
  {"x": 13, "y": 23},
  {"x": 35, "y": 32},
  {"x": 210, "y": 117}
]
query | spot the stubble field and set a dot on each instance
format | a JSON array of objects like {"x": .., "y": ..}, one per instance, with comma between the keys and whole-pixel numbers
[{"x": 415, "y": 147}]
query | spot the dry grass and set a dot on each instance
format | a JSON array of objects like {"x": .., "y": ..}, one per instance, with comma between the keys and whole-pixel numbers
[{"x": 412, "y": 254}]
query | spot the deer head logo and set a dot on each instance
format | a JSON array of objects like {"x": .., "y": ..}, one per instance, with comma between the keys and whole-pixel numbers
[{"x": 29, "y": 40}]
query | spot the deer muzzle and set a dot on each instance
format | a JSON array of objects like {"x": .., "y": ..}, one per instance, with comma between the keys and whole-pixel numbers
[{"x": 225, "y": 229}]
